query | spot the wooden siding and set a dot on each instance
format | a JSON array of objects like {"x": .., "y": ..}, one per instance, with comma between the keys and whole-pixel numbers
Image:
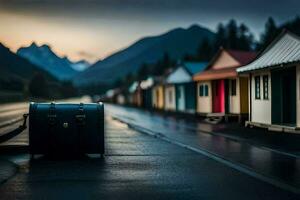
[
  {"x": 158, "y": 97},
  {"x": 170, "y": 98},
  {"x": 298, "y": 94},
  {"x": 204, "y": 103},
  {"x": 261, "y": 108},
  {"x": 244, "y": 95},
  {"x": 234, "y": 100},
  {"x": 224, "y": 60},
  {"x": 180, "y": 97}
]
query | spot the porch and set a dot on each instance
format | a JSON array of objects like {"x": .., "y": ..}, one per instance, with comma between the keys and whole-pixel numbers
[{"x": 274, "y": 127}]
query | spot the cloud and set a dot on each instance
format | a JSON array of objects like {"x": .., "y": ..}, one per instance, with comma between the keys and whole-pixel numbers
[{"x": 87, "y": 55}]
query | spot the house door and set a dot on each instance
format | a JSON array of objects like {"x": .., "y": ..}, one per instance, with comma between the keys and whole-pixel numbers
[
  {"x": 218, "y": 87},
  {"x": 284, "y": 96},
  {"x": 181, "y": 98},
  {"x": 288, "y": 99}
]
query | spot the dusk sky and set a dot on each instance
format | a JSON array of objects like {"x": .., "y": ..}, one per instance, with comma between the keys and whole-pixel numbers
[{"x": 94, "y": 29}]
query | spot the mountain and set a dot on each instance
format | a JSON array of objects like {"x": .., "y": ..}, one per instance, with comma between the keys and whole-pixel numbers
[
  {"x": 176, "y": 43},
  {"x": 17, "y": 70},
  {"x": 80, "y": 65},
  {"x": 46, "y": 59}
]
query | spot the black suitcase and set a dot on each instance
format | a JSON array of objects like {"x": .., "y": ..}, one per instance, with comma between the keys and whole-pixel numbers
[{"x": 66, "y": 129}]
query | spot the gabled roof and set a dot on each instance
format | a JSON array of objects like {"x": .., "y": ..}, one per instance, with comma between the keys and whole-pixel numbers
[
  {"x": 133, "y": 87},
  {"x": 243, "y": 57},
  {"x": 214, "y": 74},
  {"x": 285, "y": 49},
  {"x": 147, "y": 83},
  {"x": 179, "y": 75},
  {"x": 224, "y": 64},
  {"x": 195, "y": 67},
  {"x": 158, "y": 80},
  {"x": 184, "y": 72}
]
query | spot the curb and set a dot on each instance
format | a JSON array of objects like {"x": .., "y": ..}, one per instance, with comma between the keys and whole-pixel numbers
[
  {"x": 238, "y": 139},
  {"x": 218, "y": 158}
]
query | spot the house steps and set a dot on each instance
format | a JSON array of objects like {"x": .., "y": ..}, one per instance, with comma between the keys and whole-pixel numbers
[{"x": 214, "y": 118}]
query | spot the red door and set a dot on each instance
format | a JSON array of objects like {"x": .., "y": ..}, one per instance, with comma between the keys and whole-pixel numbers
[{"x": 219, "y": 96}]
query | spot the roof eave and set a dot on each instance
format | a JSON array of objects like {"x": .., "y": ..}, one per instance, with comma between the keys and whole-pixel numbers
[{"x": 289, "y": 64}]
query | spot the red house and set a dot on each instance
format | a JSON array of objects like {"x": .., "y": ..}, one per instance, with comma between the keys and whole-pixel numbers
[{"x": 220, "y": 90}]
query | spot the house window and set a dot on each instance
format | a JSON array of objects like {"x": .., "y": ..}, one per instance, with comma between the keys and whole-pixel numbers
[
  {"x": 257, "y": 87},
  {"x": 179, "y": 93},
  {"x": 266, "y": 86},
  {"x": 170, "y": 97},
  {"x": 203, "y": 90},
  {"x": 206, "y": 90},
  {"x": 233, "y": 87}
]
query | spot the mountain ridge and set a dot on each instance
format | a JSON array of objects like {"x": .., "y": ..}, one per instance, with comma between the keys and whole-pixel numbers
[
  {"x": 18, "y": 69},
  {"x": 176, "y": 42},
  {"x": 45, "y": 58}
]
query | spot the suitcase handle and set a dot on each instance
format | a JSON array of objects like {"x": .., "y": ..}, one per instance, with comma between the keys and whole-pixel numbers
[
  {"x": 25, "y": 116},
  {"x": 16, "y": 131}
]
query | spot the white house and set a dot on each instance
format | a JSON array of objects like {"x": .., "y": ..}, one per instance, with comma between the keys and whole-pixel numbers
[{"x": 274, "y": 83}]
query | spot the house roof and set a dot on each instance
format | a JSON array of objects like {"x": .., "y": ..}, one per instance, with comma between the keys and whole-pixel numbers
[
  {"x": 145, "y": 84},
  {"x": 225, "y": 70},
  {"x": 158, "y": 80},
  {"x": 195, "y": 67},
  {"x": 184, "y": 72},
  {"x": 133, "y": 87},
  {"x": 243, "y": 57},
  {"x": 215, "y": 74},
  {"x": 283, "y": 50}
]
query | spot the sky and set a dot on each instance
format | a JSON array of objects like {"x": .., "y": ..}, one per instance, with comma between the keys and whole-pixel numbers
[{"x": 94, "y": 29}]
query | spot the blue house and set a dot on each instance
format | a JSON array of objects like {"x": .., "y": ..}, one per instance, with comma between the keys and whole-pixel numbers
[{"x": 180, "y": 89}]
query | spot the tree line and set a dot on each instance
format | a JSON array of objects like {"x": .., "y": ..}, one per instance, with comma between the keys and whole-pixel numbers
[
  {"x": 38, "y": 86},
  {"x": 231, "y": 35}
]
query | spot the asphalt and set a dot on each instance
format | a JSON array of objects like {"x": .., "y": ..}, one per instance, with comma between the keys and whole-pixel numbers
[
  {"x": 280, "y": 141},
  {"x": 136, "y": 166},
  {"x": 271, "y": 165},
  {"x": 8, "y": 169}
]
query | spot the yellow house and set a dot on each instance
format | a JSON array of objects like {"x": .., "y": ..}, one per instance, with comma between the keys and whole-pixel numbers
[
  {"x": 170, "y": 98},
  {"x": 158, "y": 96}
]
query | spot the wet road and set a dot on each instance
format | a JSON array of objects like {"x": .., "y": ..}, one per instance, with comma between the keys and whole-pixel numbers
[
  {"x": 271, "y": 166},
  {"x": 11, "y": 116},
  {"x": 12, "y": 112},
  {"x": 140, "y": 166},
  {"x": 136, "y": 166}
]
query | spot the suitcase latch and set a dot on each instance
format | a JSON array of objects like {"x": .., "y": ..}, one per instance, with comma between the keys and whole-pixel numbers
[
  {"x": 51, "y": 119},
  {"x": 80, "y": 119},
  {"x": 65, "y": 124}
]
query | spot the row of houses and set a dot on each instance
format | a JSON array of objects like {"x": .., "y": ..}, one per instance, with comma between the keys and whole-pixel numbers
[{"x": 263, "y": 88}]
